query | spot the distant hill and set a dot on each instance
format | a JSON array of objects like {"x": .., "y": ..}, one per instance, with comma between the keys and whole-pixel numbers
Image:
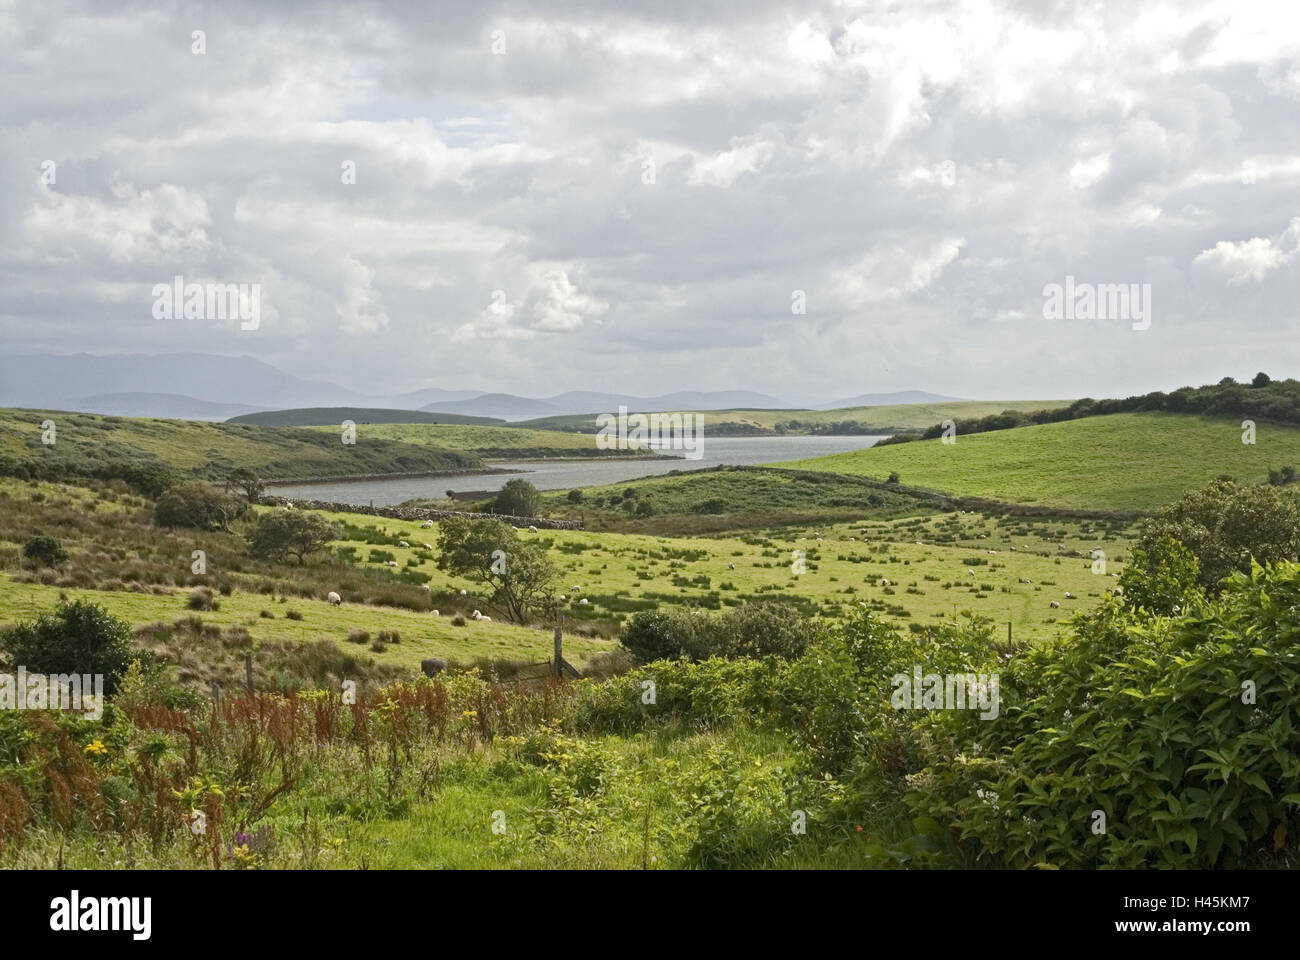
[
  {"x": 166, "y": 405},
  {"x": 333, "y": 416},
  {"x": 508, "y": 406},
  {"x": 886, "y": 400}
]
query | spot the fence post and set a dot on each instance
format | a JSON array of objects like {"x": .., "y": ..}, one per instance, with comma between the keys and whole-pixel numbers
[{"x": 559, "y": 652}]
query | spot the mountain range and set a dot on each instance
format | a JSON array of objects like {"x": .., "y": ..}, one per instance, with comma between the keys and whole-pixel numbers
[{"x": 200, "y": 386}]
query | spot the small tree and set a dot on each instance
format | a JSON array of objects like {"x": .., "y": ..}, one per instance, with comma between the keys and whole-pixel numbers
[
  {"x": 44, "y": 550},
  {"x": 248, "y": 483},
  {"x": 518, "y": 498},
  {"x": 519, "y": 573},
  {"x": 575, "y": 496},
  {"x": 1262, "y": 379},
  {"x": 291, "y": 533},
  {"x": 198, "y": 505},
  {"x": 1162, "y": 576},
  {"x": 79, "y": 637}
]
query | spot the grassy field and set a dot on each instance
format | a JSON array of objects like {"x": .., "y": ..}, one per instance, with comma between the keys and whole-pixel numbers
[
  {"x": 213, "y": 450},
  {"x": 927, "y": 561},
  {"x": 913, "y": 416},
  {"x": 1130, "y": 461},
  {"x": 504, "y": 443}
]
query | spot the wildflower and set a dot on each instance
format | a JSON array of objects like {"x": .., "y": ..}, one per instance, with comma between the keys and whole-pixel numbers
[{"x": 95, "y": 748}]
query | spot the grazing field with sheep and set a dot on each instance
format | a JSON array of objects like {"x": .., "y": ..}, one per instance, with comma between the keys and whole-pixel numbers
[{"x": 1129, "y": 461}]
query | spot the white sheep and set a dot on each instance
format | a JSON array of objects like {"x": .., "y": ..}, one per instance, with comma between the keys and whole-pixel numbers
[
  {"x": 288, "y": 504},
  {"x": 462, "y": 593},
  {"x": 531, "y": 528},
  {"x": 993, "y": 553},
  {"x": 884, "y": 582},
  {"x": 402, "y": 543},
  {"x": 575, "y": 588},
  {"x": 427, "y": 524},
  {"x": 731, "y": 566},
  {"x": 484, "y": 619},
  {"x": 970, "y": 572},
  {"x": 427, "y": 546},
  {"x": 476, "y": 615},
  {"x": 1069, "y": 595},
  {"x": 583, "y": 600},
  {"x": 333, "y": 598},
  {"x": 1054, "y": 604},
  {"x": 436, "y": 614},
  {"x": 563, "y": 597},
  {"x": 424, "y": 587}
]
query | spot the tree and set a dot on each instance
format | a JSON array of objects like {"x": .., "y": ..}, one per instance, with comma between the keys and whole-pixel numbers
[
  {"x": 575, "y": 496},
  {"x": 248, "y": 483},
  {"x": 1225, "y": 526},
  {"x": 518, "y": 498},
  {"x": 1262, "y": 379},
  {"x": 519, "y": 573},
  {"x": 79, "y": 637},
  {"x": 44, "y": 550},
  {"x": 197, "y": 505},
  {"x": 1162, "y": 576},
  {"x": 291, "y": 533}
]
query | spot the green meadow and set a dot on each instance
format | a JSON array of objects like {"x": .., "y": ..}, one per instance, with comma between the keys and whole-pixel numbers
[{"x": 1130, "y": 461}]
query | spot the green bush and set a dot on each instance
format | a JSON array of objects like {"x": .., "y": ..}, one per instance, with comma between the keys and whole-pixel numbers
[
  {"x": 44, "y": 550},
  {"x": 198, "y": 505},
  {"x": 79, "y": 637},
  {"x": 1180, "y": 731}
]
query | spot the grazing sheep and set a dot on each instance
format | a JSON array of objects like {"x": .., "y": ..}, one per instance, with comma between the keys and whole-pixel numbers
[
  {"x": 563, "y": 597},
  {"x": 436, "y": 613},
  {"x": 731, "y": 566},
  {"x": 1054, "y": 604},
  {"x": 531, "y": 528},
  {"x": 427, "y": 546},
  {"x": 1069, "y": 595},
  {"x": 575, "y": 588},
  {"x": 993, "y": 553},
  {"x": 427, "y": 524},
  {"x": 288, "y": 504},
  {"x": 1024, "y": 580},
  {"x": 333, "y": 598},
  {"x": 392, "y": 563},
  {"x": 970, "y": 572},
  {"x": 583, "y": 600},
  {"x": 424, "y": 587},
  {"x": 1013, "y": 549},
  {"x": 462, "y": 593},
  {"x": 402, "y": 543},
  {"x": 884, "y": 582}
]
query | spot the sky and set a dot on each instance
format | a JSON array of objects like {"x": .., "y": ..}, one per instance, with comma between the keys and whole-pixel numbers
[{"x": 805, "y": 199}]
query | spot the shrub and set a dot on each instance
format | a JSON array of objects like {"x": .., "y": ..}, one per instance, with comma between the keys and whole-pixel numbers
[
  {"x": 458, "y": 620},
  {"x": 575, "y": 496},
  {"x": 292, "y": 615},
  {"x": 197, "y": 505},
  {"x": 79, "y": 637},
  {"x": 202, "y": 598},
  {"x": 44, "y": 550},
  {"x": 518, "y": 498},
  {"x": 358, "y": 636},
  {"x": 291, "y": 533}
]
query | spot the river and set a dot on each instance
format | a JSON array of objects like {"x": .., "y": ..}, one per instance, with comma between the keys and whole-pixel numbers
[{"x": 566, "y": 474}]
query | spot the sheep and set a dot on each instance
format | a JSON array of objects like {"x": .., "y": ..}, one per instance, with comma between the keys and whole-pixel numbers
[
  {"x": 1069, "y": 595},
  {"x": 424, "y": 587},
  {"x": 1024, "y": 580},
  {"x": 288, "y": 504},
  {"x": 427, "y": 546},
  {"x": 583, "y": 600},
  {"x": 402, "y": 543},
  {"x": 731, "y": 566},
  {"x": 485, "y": 619},
  {"x": 575, "y": 588},
  {"x": 970, "y": 572},
  {"x": 531, "y": 528},
  {"x": 462, "y": 593},
  {"x": 476, "y": 615},
  {"x": 333, "y": 598},
  {"x": 884, "y": 582},
  {"x": 993, "y": 553},
  {"x": 427, "y": 524},
  {"x": 392, "y": 563},
  {"x": 563, "y": 597},
  {"x": 436, "y": 613},
  {"x": 1054, "y": 604},
  {"x": 1013, "y": 549}
]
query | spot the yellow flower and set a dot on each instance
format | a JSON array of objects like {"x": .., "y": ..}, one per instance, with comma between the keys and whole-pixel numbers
[{"x": 95, "y": 748}]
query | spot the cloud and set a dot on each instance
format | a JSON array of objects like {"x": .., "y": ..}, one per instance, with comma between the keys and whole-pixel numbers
[{"x": 1254, "y": 259}]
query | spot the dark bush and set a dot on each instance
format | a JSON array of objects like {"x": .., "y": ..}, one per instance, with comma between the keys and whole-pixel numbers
[
  {"x": 44, "y": 550},
  {"x": 79, "y": 637}
]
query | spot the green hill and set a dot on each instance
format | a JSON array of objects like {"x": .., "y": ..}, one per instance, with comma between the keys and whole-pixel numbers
[
  {"x": 334, "y": 416},
  {"x": 492, "y": 441},
  {"x": 851, "y": 420},
  {"x": 1135, "y": 461},
  {"x": 90, "y": 445}
]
